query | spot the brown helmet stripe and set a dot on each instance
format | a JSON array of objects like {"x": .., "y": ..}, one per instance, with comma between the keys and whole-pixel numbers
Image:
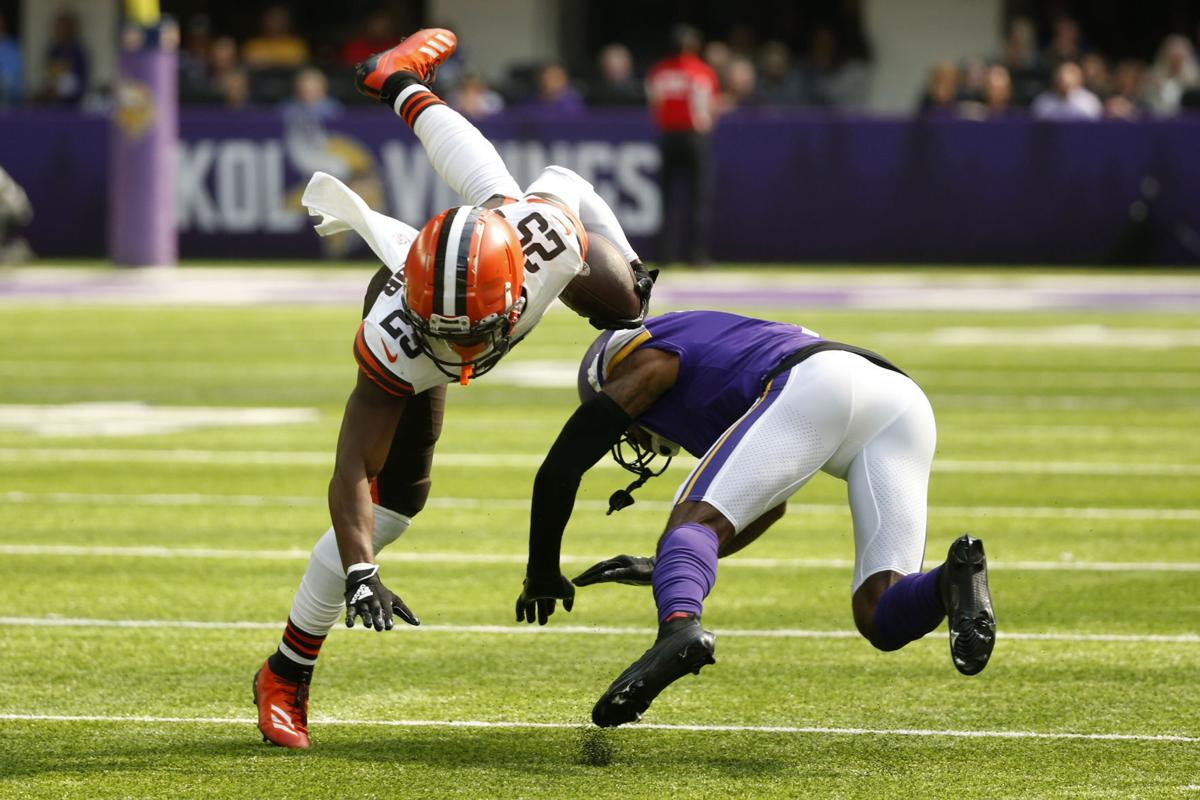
[
  {"x": 439, "y": 261},
  {"x": 464, "y": 255}
]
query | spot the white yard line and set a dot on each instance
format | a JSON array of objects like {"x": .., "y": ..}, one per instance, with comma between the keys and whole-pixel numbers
[
  {"x": 143, "y": 551},
  {"x": 641, "y": 726},
  {"x": 534, "y": 460},
  {"x": 573, "y": 630},
  {"x": 520, "y": 504}
]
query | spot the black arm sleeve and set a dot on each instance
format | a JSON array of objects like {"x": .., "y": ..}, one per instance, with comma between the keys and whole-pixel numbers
[{"x": 590, "y": 432}]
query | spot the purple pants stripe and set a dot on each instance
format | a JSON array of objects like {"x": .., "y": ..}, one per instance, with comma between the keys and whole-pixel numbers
[{"x": 718, "y": 454}]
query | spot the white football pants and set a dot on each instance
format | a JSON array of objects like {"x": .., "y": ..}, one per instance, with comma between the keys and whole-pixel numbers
[{"x": 839, "y": 413}]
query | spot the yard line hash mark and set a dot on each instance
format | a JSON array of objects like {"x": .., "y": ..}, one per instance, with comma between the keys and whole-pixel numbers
[
  {"x": 534, "y": 460},
  {"x": 573, "y": 630},
  {"x": 522, "y": 504},
  {"x": 625, "y": 731},
  {"x": 294, "y": 553}
]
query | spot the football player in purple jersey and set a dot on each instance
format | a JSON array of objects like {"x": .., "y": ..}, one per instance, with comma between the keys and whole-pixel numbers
[{"x": 764, "y": 406}]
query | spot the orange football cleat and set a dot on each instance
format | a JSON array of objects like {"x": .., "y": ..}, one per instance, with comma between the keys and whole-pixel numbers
[
  {"x": 419, "y": 55},
  {"x": 282, "y": 709}
]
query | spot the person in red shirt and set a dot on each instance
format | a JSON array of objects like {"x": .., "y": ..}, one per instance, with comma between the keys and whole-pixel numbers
[
  {"x": 376, "y": 36},
  {"x": 682, "y": 91}
]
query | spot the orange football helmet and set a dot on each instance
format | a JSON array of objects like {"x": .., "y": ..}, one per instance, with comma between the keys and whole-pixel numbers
[{"x": 462, "y": 289}]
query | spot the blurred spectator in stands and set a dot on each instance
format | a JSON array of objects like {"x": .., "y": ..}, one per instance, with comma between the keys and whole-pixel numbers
[
  {"x": 555, "y": 92},
  {"x": 204, "y": 72},
  {"x": 833, "y": 76},
  {"x": 66, "y": 62},
  {"x": 718, "y": 55},
  {"x": 1020, "y": 45},
  {"x": 376, "y": 34},
  {"x": 1020, "y": 58},
  {"x": 195, "y": 69},
  {"x": 473, "y": 98},
  {"x": 1068, "y": 100},
  {"x": 275, "y": 45},
  {"x": 740, "y": 83},
  {"x": 233, "y": 86},
  {"x": 1175, "y": 71},
  {"x": 941, "y": 94},
  {"x": 995, "y": 100},
  {"x": 682, "y": 91},
  {"x": 972, "y": 79},
  {"x": 11, "y": 85},
  {"x": 778, "y": 83},
  {"x": 616, "y": 85},
  {"x": 998, "y": 92},
  {"x": 1096, "y": 77},
  {"x": 1066, "y": 43},
  {"x": 310, "y": 98},
  {"x": 1126, "y": 99},
  {"x": 742, "y": 40},
  {"x": 222, "y": 56}
]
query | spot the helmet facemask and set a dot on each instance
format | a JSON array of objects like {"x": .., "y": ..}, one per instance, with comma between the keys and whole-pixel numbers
[
  {"x": 462, "y": 349},
  {"x": 644, "y": 448}
]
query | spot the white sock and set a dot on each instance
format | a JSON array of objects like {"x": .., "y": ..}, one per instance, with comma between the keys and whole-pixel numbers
[
  {"x": 320, "y": 600},
  {"x": 460, "y": 154},
  {"x": 388, "y": 527}
]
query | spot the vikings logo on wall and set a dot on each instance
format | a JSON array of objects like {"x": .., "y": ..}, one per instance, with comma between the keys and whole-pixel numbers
[
  {"x": 249, "y": 181},
  {"x": 311, "y": 148},
  {"x": 134, "y": 108}
]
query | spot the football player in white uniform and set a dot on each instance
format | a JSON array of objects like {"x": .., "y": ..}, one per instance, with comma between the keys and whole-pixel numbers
[{"x": 449, "y": 302}]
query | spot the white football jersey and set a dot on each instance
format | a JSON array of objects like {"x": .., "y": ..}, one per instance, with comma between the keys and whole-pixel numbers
[{"x": 553, "y": 242}]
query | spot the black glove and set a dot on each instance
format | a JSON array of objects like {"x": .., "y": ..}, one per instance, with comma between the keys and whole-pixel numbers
[
  {"x": 643, "y": 285},
  {"x": 540, "y": 594},
  {"x": 367, "y": 597},
  {"x": 629, "y": 570}
]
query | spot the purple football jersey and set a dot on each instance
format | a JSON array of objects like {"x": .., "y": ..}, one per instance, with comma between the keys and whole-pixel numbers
[{"x": 724, "y": 361}]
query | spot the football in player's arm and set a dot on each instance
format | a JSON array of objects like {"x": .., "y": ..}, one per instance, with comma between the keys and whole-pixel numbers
[
  {"x": 450, "y": 301},
  {"x": 764, "y": 406}
]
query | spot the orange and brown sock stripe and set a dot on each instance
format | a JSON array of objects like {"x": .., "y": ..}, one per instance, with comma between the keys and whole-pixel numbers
[
  {"x": 301, "y": 642},
  {"x": 296, "y": 655},
  {"x": 414, "y": 103}
]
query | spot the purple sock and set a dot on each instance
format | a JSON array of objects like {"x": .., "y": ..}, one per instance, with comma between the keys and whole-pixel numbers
[
  {"x": 909, "y": 609},
  {"x": 685, "y": 571}
]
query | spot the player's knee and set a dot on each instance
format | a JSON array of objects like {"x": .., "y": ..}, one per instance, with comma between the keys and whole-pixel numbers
[
  {"x": 407, "y": 499},
  {"x": 701, "y": 513},
  {"x": 864, "y": 604},
  {"x": 569, "y": 174}
]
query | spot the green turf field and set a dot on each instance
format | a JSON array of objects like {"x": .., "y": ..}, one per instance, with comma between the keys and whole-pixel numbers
[{"x": 1079, "y": 466}]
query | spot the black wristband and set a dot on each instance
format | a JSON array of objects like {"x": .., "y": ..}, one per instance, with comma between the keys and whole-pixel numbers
[{"x": 585, "y": 438}]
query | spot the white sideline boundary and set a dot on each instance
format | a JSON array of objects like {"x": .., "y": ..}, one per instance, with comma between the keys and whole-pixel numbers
[
  {"x": 570, "y": 630},
  {"x": 117, "y": 551},
  {"x": 534, "y": 460},
  {"x": 641, "y": 726},
  {"x": 522, "y": 504}
]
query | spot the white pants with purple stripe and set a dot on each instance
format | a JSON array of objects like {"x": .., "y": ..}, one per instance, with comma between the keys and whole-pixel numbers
[{"x": 839, "y": 413}]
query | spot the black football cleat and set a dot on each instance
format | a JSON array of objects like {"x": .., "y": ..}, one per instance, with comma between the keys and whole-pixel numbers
[
  {"x": 682, "y": 647},
  {"x": 964, "y": 589}
]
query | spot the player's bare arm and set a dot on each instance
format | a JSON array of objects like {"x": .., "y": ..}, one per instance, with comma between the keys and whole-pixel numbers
[
  {"x": 635, "y": 384},
  {"x": 367, "y": 426}
]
